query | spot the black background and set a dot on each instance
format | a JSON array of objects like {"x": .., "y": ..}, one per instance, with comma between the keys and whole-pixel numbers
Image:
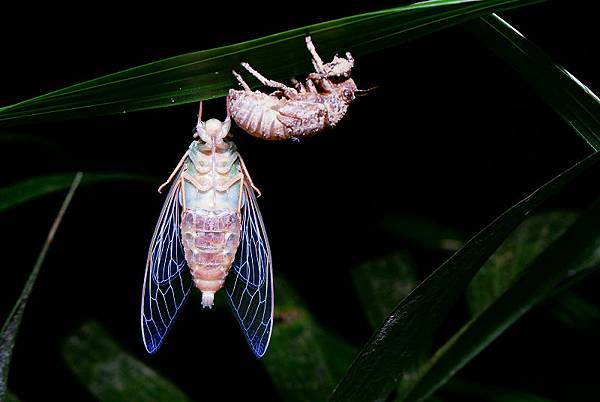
[{"x": 452, "y": 134}]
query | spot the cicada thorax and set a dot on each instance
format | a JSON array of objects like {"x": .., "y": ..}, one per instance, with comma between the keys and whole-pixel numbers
[{"x": 211, "y": 223}]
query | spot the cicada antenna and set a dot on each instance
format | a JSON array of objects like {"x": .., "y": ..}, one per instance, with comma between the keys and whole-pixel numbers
[
  {"x": 200, "y": 112},
  {"x": 195, "y": 130},
  {"x": 363, "y": 92}
]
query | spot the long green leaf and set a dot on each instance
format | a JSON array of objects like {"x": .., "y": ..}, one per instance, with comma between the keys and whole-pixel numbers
[
  {"x": 28, "y": 139},
  {"x": 391, "y": 350},
  {"x": 207, "y": 74},
  {"x": 529, "y": 240},
  {"x": 570, "y": 98},
  {"x": 36, "y": 187},
  {"x": 110, "y": 373},
  {"x": 10, "y": 397},
  {"x": 381, "y": 284},
  {"x": 575, "y": 311},
  {"x": 8, "y": 333},
  {"x": 568, "y": 255},
  {"x": 304, "y": 361}
]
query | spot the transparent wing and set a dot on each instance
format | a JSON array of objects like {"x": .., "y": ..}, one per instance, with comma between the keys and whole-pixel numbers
[
  {"x": 249, "y": 285},
  {"x": 167, "y": 282}
]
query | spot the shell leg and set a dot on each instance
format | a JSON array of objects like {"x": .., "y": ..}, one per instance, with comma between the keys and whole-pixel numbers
[
  {"x": 241, "y": 80},
  {"x": 316, "y": 59},
  {"x": 290, "y": 93}
]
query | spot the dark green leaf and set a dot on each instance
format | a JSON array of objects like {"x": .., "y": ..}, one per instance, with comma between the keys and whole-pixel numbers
[
  {"x": 518, "y": 250},
  {"x": 382, "y": 283},
  {"x": 304, "y": 360},
  {"x": 35, "y": 187},
  {"x": 570, "y": 98},
  {"x": 391, "y": 350},
  {"x": 569, "y": 254},
  {"x": 110, "y": 373},
  {"x": 10, "y": 397},
  {"x": 207, "y": 74},
  {"x": 8, "y": 333},
  {"x": 28, "y": 139},
  {"x": 574, "y": 311},
  {"x": 423, "y": 232}
]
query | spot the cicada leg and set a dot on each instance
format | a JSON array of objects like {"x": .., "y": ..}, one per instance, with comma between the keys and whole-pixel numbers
[
  {"x": 186, "y": 176},
  {"x": 160, "y": 188},
  {"x": 241, "y": 80},
  {"x": 239, "y": 207},
  {"x": 298, "y": 85},
  {"x": 248, "y": 176},
  {"x": 316, "y": 59},
  {"x": 290, "y": 93}
]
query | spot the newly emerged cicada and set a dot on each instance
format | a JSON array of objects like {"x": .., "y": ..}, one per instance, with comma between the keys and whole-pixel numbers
[{"x": 210, "y": 234}]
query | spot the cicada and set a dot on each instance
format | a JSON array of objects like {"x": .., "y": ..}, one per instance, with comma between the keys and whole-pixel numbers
[
  {"x": 209, "y": 234},
  {"x": 305, "y": 110}
]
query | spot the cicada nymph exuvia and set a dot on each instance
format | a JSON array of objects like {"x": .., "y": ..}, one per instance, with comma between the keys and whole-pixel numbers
[
  {"x": 210, "y": 234},
  {"x": 305, "y": 110}
]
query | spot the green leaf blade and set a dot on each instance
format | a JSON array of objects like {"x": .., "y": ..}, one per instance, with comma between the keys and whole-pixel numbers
[
  {"x": 382, "y": 283},
  {"x": 391, "y": 350},
  {"x": 35, "y": 187},
  {"x": 578, "y": 106},
  {"x": 110, "y": 373},
  {"x": 546, "y": 272},
  {"x": 10, "y": 328},
  {"x": 530, "y": 239},
  {"x": 207, "y": 74},
  {"x": 304, "y": 361}
]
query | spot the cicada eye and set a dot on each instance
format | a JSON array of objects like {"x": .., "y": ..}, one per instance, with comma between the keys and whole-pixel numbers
[{"x": 348, "y": 94}]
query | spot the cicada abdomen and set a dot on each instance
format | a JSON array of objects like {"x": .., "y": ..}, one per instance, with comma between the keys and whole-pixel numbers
[
  {"x": 210, "y": 224},
  {"x": 210, "y": 243}
]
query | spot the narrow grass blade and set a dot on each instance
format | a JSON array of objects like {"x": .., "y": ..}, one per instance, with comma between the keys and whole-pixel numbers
[
  {"x": 391, "y": 350},
  {"x": 381, "y": 284},
  {"x": 575, "y": 311},
  {"x": 569, "y": 254},
  {"x": 207, "y": 74},
  {"x": 110, "y": 373},
  {"x": 305, "y": 361},
  {"x": 8, "y": 333},
  {"x": 35, "y": 187},
  {"x": 569, "y": 97},
  {"x": 529, "y": 240},
  {"x": 28, "y": 139},
  {"x": 10, "y": 397}
]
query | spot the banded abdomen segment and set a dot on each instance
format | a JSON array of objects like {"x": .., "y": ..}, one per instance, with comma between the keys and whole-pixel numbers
[
  {"x": 210, "y": 241},
  {"x": 255, "y": 113},
  {"x": 272, "y": 118}
]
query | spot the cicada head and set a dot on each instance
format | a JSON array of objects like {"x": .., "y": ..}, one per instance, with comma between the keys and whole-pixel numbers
[
  {"x": 213, "y": 131},
  {"x": 346, "y": 90}
]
